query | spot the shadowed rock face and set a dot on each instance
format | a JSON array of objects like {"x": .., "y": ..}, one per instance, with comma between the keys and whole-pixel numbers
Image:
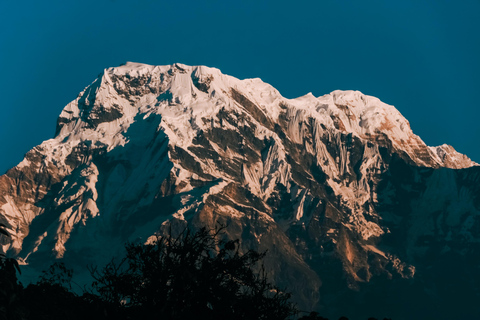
[{"x": 356, "y": 212}]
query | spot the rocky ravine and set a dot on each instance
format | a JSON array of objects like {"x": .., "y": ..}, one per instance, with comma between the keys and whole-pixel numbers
[{"x": 356, "y": 212}]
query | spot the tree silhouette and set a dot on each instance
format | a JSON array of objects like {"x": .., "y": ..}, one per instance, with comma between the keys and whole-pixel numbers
[
  {"x": 194, "y": 275},
  {"x": 10, "y": 288},
  {"x": 313, "y": 316},
  {"x": 191, "y": 276}
]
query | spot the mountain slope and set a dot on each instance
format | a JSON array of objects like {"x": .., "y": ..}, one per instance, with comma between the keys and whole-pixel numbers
[{"x": 338, "y": 188}]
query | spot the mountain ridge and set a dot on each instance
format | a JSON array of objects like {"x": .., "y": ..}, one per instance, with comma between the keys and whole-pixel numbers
[{"x": 331, "y": 185}]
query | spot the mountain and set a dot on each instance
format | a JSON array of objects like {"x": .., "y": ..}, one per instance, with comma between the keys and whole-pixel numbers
[{"x": 359, "y": 216}]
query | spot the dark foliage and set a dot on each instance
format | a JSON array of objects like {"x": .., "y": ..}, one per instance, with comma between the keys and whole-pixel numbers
[
  {"x": 194, "y": 275},
  {"x": 313, "y": 316},
  {"x": 51, "y": 297},
  {"x": 191, "y": 276},
  {"x": 10, "y": 290}
]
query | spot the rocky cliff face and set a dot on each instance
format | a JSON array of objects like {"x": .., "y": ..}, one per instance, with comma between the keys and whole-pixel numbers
[{"x": 354, "y": 209}]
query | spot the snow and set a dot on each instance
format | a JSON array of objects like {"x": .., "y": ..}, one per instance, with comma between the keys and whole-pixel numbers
[
  {"x": 362, "y": 115},
  {"x": 376, "y": 250},
  {"x": 152, "y": 122}
]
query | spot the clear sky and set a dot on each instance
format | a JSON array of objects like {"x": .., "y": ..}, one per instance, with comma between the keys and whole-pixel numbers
[{"x": 423, "y": 57}]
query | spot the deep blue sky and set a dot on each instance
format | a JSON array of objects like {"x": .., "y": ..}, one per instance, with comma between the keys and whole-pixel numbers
[{"x": 421, "y": 56}]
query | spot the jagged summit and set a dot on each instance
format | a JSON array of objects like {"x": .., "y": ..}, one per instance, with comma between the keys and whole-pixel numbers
[
  {"x": 337, "y": 184},
  {"x": 177, "y": 90},
  {"x": 194, "y": 107}
]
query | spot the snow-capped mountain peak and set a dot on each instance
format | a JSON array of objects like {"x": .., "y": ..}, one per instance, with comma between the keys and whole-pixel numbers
[
  {"x": 310, "y": 179},
  {"x": 179, "y": 91}
]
